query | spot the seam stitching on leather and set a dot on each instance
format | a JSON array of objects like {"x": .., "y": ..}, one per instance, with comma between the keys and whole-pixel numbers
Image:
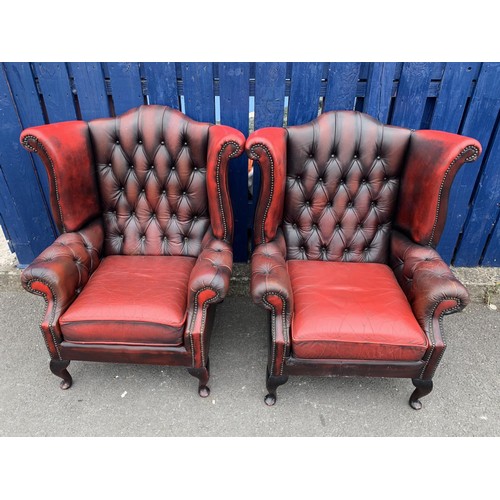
[
  {"x": 42, "y": 147},
  {"x": 273, "y": 329},
  {"x": 203, "y": 319},
  {"x": 271, "y": 189},
  {"x": 431, "y": 332},
  {"x": 441, "y": 187},
  {"x": 217, "y": 179},
  {"x": 51, "y": 320}
]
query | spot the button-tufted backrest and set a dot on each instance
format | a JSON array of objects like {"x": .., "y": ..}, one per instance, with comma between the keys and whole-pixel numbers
[
  {"x": 151, "y": 172},
  {"x": 343, "y": 172}
]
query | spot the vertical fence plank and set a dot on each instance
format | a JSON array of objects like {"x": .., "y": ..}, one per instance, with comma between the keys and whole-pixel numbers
[
  {"x": 162, "y": 84},
  {"x": 91, "y": 89},
  {"x": 479, "y": 123},
  {"x": 54, "y": 83},
  {"x": 377, "y": 101},
  {"x": 269, "y": 94},
  {"x": 199, "y": 98},
  {"x": 28, "y": 106},
  {"x": 492, "y": 253},
  {"x": 125, "y": 85},
  {"x": 234, "y": 112},
  {"x": 342, "y": 86},
  {"x": 452, "y": 99},
  {"x": 22, "y": 206},
  {"x": 484, "y": 211},
  {"x": 412, "y": 94},
  {"x": 304, "y": 92}
]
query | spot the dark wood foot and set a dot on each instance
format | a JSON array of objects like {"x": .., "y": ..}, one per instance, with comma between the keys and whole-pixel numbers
[
  {"x": 272, "y": 384},
  {"x": 58, "y": 368},
  {"x": 202, "y": 374},
  {"x": 423, "y": 387}
]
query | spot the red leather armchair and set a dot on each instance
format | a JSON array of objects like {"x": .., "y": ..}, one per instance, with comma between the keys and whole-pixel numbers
[
  {"x": 143, "y": 208},
  {"x": 348, "y": 217}
]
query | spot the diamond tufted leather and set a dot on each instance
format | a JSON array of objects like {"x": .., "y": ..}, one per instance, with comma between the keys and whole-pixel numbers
[
  {"x": 345, "y": 209},
  {"x": 342, "y": 183},
  {"x": 147, "y": 194}
]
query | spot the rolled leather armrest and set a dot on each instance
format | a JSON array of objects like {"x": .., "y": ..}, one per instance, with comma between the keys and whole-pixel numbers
[
  {"x": 66, "y": 265},
  {"x": 208, "y": 284},
  {"x": 270, "y": 279},
  {"x": 59, "y": 274},
  {"x": 429, "y": 284}
]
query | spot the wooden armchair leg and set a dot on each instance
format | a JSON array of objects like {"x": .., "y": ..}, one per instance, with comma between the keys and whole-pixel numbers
[
  {"x": 58, "y": 368},
  {"x": 272, "y": 384},
  {"x": 202, "y": 374},
  {"x": 423, "y": 387}
]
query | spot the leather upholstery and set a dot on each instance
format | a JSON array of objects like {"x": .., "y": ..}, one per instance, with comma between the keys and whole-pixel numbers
[
  {"x": 434, "y": 158},
  {"x": 151, "y": 166},
  {"x": 347, "y": 310},
  {"x": 155, "y": 286},
  {"x": 59, "y": 274},
  {"x": 148, "y": 191},
  {"x": 345, "y": 207},
  {"x": 66, "y": 152},
  {"x": 271, "y": 288}
]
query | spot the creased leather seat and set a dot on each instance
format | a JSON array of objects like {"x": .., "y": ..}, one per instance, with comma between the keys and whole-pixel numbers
[
  {"x": 352, "y": 311},
  {"x": 157, "y": 287},
  {"x": 349, "y": 213},
  {"x": 142, "y": 204}
]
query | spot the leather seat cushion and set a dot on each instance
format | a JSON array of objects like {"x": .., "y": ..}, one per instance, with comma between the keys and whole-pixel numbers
[
  {"x": 132, "y": 300},
  {"x": 347, "y": 310}
]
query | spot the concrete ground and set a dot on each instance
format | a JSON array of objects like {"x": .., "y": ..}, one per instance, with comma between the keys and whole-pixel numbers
[{"x": 141, "y": 400}]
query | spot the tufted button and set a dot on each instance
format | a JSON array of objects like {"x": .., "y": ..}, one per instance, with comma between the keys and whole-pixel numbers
[
  {"x": 385, "y": 178},
  {"x": 143, "y": 190},
  {"x": 373, "y": 204},
  {"x": 132, "y": 213},
  {"x": 379, "y": 226},
  {"x": 152, "y": 167},
  {"x": 162, "y": 143},
  {"x": 349, "y": 204},
  {"x": 153, "y": 216},
  {"x": 173, "y": 216},
  {"x": 139, "y": 141},
  {"x": 329, "y": 204},
  {"x": 164, "y": 238},
  {"x": 143, "y": 237},
  {"x": 315, "y": 226},
  {"x": 110, "y": 165},
  {"x": 342, "y": 181},
  {"x": 337, "y": 225},
  {"x": 310, "y": 155},
  {"x": 332, "y": 155},
  {"x": 121, "y": 236},
  {"x": 131, "y": 166},
  {"x": 297, "y": 177},
  {"x": 185, "y": 143},
  {"x": 195, "y": 169},
  {"x": 378, "y": 157},
  {"x": 320, "y": 179},
  {"x": 184, "y": 193},
  {"x": 346, "y": 250},
  {"x": 366, "y": 249},
  {"x": 117, "y": 141},
  {"x": 363, "y": 181},
  {"x": 173, "y": 167},
  {"x": 301, "y": 249},
  {"x": 360, "y": 226},
  {"x": 355, "y": 157},
  {"x": 185, "y": 238},
  {"x": 122, "y": 188},
  {"x": 308, "y": 203},
  {"x": 164, "y": 191}
]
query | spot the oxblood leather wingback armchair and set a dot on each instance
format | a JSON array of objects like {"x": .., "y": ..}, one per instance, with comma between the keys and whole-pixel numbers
[
  {"x": 348, "y": 217},
  {"x": 145, "y": 252}
]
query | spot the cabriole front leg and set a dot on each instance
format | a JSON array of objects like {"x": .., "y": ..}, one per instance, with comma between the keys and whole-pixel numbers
[
  {"x": 272, "y": 384},
  {"x": 202, "y": 374},
  {"x": 423, "y": 387},
  {"x": 58, "y": 368}
]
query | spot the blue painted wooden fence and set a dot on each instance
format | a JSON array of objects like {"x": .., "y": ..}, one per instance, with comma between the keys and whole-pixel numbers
[{"x": 457, "y": 97}]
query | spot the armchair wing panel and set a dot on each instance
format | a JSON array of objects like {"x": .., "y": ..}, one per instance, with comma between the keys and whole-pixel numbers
[
  {"x": 142, "y": 201},
  {"x": 348, "y": 216}
]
